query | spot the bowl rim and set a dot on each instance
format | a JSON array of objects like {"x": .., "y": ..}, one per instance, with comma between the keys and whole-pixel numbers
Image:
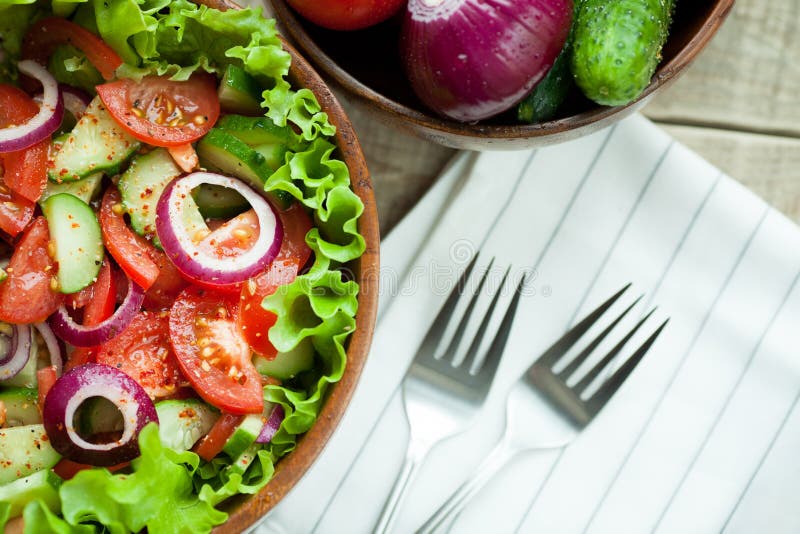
[
  {"x": 247, "y": 510},
  {"x": 664, "y": 75}
]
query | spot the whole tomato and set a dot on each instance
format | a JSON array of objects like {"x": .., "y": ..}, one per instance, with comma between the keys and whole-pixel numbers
[{"x": 346, "y": 14}]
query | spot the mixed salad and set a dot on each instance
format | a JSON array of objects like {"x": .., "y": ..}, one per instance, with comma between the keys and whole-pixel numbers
[{"x": 174, "y": 222}]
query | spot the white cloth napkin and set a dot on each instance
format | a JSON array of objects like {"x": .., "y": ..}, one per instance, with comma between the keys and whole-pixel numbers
[{"x": 705, "y": 434}]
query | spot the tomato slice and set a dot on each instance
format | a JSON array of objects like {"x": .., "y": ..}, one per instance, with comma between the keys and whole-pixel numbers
[
  {"x": 254, "y": 320},
  {"x": 45, "y": 378},
  {"x": 212, "y": 353},
  {"x": 212, "y": 443},
  {"x": 167, "y": 286},
  {"x": 97, "y": 300},
  {"x": 15, "y": 212},
  {"x": 143, "y": 352},
  {"x": 163, "y": 112},
  {"x": 26, "y": 295},
  {"x": 24, "y": 171},
  {"x": 132, "y": 252},
  {"x": 185, "y": 157},
  {"x": 45, "y": 35},
  {"x": 67, "y": 469}
]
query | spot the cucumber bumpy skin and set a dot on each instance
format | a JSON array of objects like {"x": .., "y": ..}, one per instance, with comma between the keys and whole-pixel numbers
[{"x": 618, "y": 47}]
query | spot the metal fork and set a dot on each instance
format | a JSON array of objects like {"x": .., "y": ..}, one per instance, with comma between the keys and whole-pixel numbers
[
  {"x": 442, "y": 394},
  {"x": 545, "y": 410}
]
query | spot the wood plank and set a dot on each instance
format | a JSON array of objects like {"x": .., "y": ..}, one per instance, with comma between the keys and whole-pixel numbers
[
  {"x": 748, "y": 78},
  {"x": 767, "y": 165}
]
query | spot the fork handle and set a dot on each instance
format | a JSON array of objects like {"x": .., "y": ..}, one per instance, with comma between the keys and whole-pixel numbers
[
  {"x": 408, "y": 472},
  {"x": 449, "y": 511}
]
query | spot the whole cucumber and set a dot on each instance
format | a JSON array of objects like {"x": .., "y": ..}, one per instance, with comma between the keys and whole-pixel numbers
[
  {"x": 543, "y": 101},
  {"x": 617, "y": 47}
]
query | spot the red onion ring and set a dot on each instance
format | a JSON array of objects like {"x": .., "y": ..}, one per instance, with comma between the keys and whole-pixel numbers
[
  {"x": 89, "y": 336},
  {"x": 272, "y": 425},
  {"x": 19, "y": 351},
  {"x": 45, "y": 122},
  {"x": 75, "y": 100},
  {"x": 96, "y": 380},
  {"x": 191, "y": 260},
  {"x": 54, "y": 346}
]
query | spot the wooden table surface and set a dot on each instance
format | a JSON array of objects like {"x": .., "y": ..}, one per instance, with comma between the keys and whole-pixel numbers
[{"x": 738, "y": 106}]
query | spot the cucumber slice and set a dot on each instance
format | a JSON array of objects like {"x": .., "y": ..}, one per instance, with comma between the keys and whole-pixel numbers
[
  {"x": 85, "y": 189},
  {"x": 78, "y": 241},
  {"x": 97, "y": 143},
  {"x": 248, "y": 431},
  {"x": 287, "y": 364},
  {"x": 25, "y": 450},
  {"x": 141, "y": 186},
  {"x": 274, "y": 153},
  {"x": 257, "y": 130},
  {"x": 217, "y": 202},
  {"x": 183, "y": 422},
  {"x": 239, "y": 92},
  {"x": 246, "y": 434},
  {"x": 21, "y": 406},
  {"x": 41, "y": 485},
  {"x": 243, "y": 460},
  {"x": 226, "y": 153}
]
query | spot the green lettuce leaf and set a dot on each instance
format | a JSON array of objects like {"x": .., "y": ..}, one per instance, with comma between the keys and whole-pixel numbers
[
  {"x": 158, "y": 494},
  {"x": 38, "y": 518},
  {"x": 14, "y": 19}
]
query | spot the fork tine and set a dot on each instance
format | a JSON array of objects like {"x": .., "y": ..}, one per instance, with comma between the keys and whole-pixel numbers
[
  {"x": 598, "y": 368},
  {"x": 580, "y": 358},
  {"x": 496, "y": 349},
  {"x": 462, "y": 324},
  {"x": 607, "y": 390},
  {"x": 435, "y": 332},
  {"x": 554, "y": 353}
]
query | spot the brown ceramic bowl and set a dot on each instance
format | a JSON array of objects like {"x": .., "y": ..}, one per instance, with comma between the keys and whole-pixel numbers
[
  {"x": 244, "y": 511},
  {"x": 367, "y": 66}
]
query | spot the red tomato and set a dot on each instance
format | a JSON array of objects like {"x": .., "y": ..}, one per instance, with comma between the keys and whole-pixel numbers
[
  {"x": 132, "y": 252},
  {"x": 15, "y": 212},
  {"x": 142, "y": 351},
  {"x": 26, "y": 296},
  {"x": 67, "y": 469},
  {"x": 45, "y": 378},
  {"x": 167, "y": 286},
  {"x": 23, "y": 171},
  {"x": 44, "y": 36},
  {"x": 346, "y": 14},
  {"x": 97, "y": 300},
  {"x": 163, "y": 112},
  {"x": 212, "y": 353},
  {"x": 185, "y": 157},
  {"x": 213, "y": 442},
  {"x": 230, "y": 239},
  {"x": 254, "y": 320}
]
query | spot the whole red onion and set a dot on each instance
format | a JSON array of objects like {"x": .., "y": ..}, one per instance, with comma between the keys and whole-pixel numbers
[{"x": 472, "y": 59}]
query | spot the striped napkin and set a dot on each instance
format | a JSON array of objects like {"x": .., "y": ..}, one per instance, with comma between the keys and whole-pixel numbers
[{"x": 703, "y": 437}]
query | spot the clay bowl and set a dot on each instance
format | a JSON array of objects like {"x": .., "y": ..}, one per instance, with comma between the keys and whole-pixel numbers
[
  {"x": 244, "y": 511},
  {"x": 365, "y": 64}
]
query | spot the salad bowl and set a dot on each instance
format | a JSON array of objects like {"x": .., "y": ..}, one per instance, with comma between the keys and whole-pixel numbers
[
  {"x": 102, "y": 152},
  {"x": 367, "y": 66}
]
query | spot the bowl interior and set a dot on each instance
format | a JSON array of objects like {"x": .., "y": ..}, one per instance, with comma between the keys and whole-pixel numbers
[{"x": 366, "y": 63}]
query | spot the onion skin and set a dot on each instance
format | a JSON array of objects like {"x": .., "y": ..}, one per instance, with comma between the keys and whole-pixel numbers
[
  {"x": 472, "y": 59},
  {"x": 272, "y": 425},
  {"x": 45, "y": 122},
  {"x": 19, "y": 351},
  {"x": 93, "y": 380}
]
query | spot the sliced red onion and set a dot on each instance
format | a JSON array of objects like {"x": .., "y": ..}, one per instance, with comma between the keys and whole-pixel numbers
[
  {"x": 90, "y": 336},
  {"x": 16, "y": 351},
  {"x": 471, "y": 59},
  {"x": 54, "y": 346},
  {"x": 83, "y": 383},
  {"x": 75, "y": 100},
  {"x": 272, "y": 425},
  {"x": 45, "y": 122},
  {"x": 194, "y": 262}
]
